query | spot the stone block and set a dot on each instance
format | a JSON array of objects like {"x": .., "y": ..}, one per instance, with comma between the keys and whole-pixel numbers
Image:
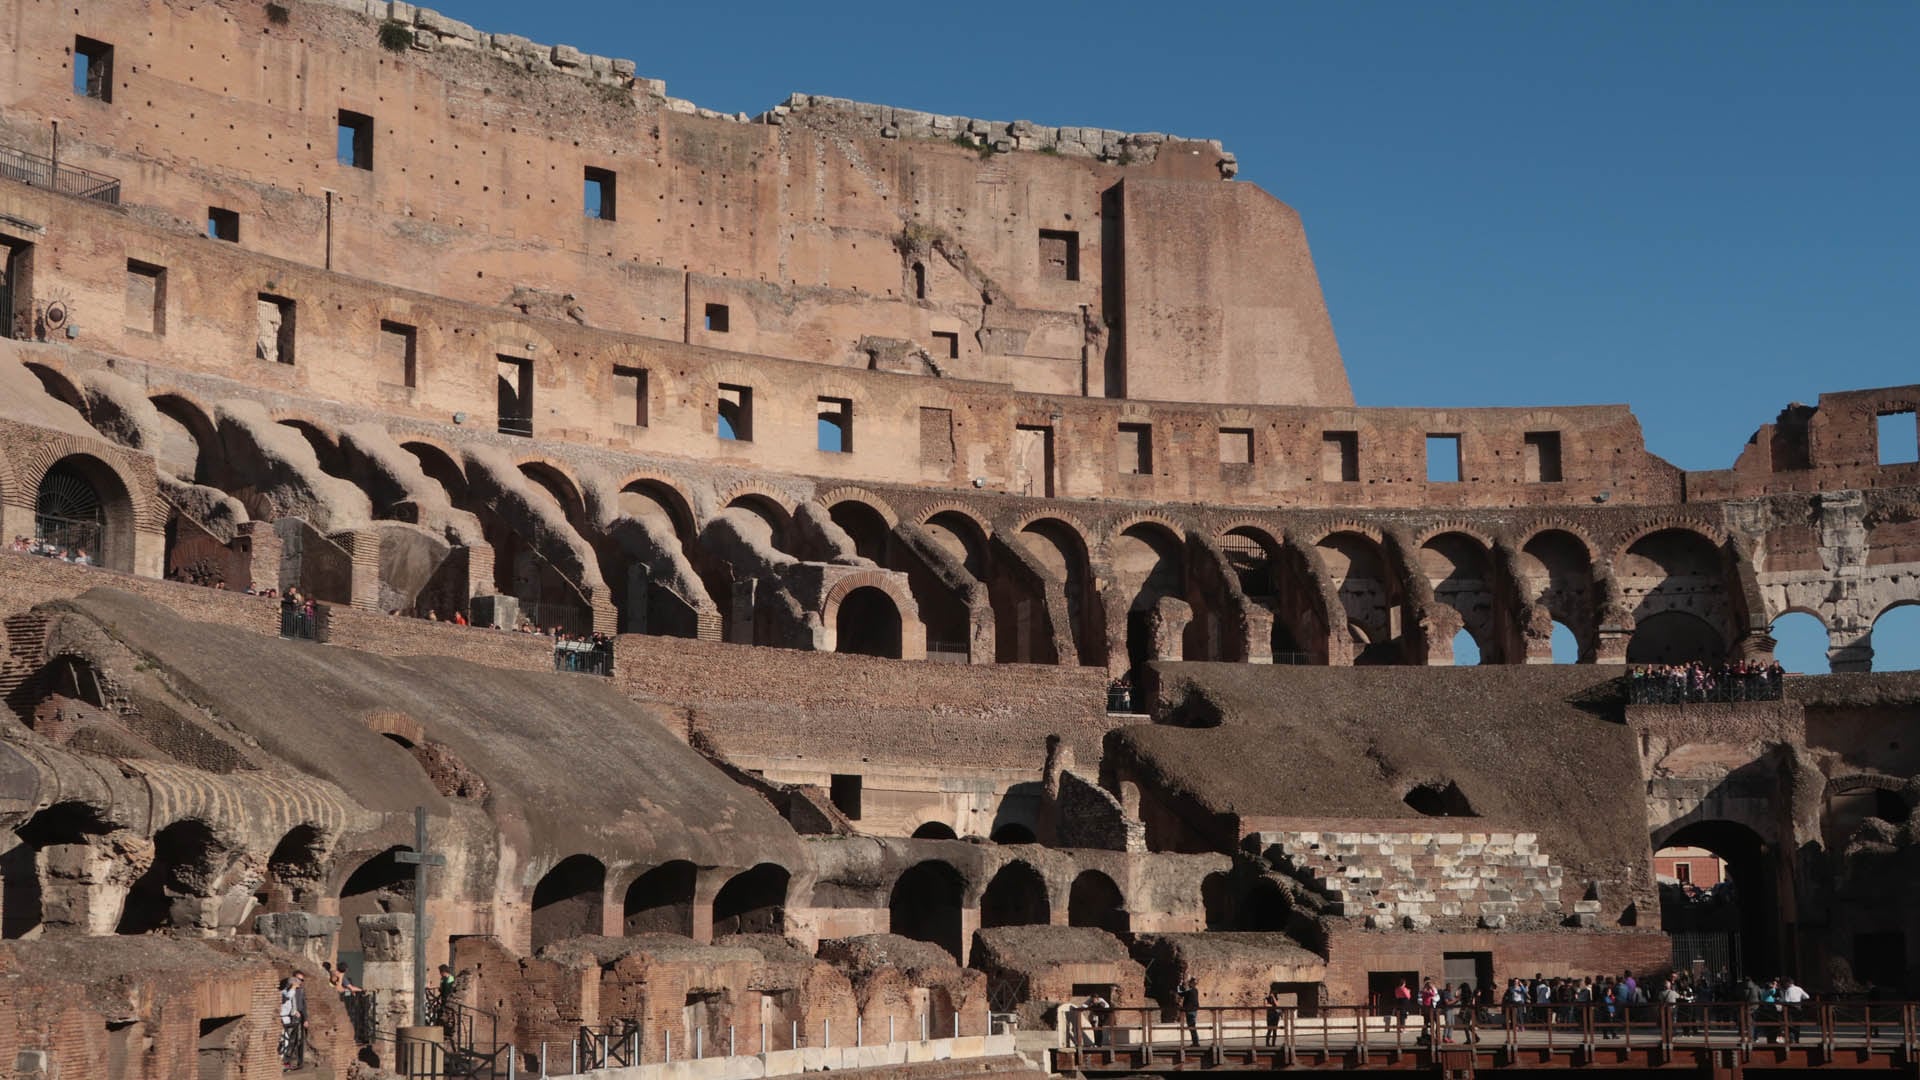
[
  {"x": 1417, "y": 922},
  {"x": 566, "y": 56},
  {"x": 1492, "y": 921},
  {"x": 1586, "y": 907}
]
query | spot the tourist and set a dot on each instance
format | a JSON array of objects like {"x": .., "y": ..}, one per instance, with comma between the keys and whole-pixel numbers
[
  {"x": 1402, "y": 1003},
  {"x": 1469, "y": 1014},
  {"x": 293, "y": 1018},
  {"x": 1447, "y": 1007},
  {"x": 1273, "y": 1011},
  {"x": 1190, "y": 1005},
  {"x": 1429, "y": 1001},
  {"x": 1791, "y": 994}
]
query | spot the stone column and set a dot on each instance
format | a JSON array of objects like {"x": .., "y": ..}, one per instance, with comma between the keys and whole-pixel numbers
[
  {"x": 314, "y": 937},
  {"x": 1850, "y": 649},
  {"x": 363, "y": 548},
  {"x": 80, "y": 889},
  {"x": 263, "y": 549}
]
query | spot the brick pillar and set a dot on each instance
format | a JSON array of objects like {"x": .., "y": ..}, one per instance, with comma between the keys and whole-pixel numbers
[
  {"x": 742, "y": 618},
  {"x": 363, "y": 547},
  {"x": 705, "y": 888},
  {"x": 263, "y": 549},
  {"x": 479, "y": 570}
]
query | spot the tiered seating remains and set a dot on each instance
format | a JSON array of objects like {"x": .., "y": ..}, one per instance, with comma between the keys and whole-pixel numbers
[{"x": 1413, "y": 879}]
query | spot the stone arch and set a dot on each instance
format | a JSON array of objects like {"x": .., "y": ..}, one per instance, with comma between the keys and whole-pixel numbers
[
  {"x": 1850, "y": 800},
  {"x": 1675, "y": 637},
  {"x": 1555, "y": 568},
  {"x": 1278, "y": 577},
  {"x": 59, "y": 386},
  {"x": 1675, "y": 568},
  {"x": 1358, "y": 564},
  {"x": 1788, "y": 628},
  {"x": 441, "y": 466},
  {"x": 1094, "y": 900},
  {"x": 1060, "y": 546},
  {"x": 29, "y": 902},
  {"x": 197, "y": 421},
  {"x": 1459, "y": 565},
  {"x": 867, "y": 525},
  {"x": 1014, "y": 832},
  {"x": 84, "y": 500},
  {"x": 866, "y": 621},
  {"x": 670, "y": 497},
  {"x": 378, "y": 884},
  {"x": 189, "y": 858},
  {"x": 568, "y": 900},
  {"x": 661, "y": 900},
  {"x": 754, "y": 901},
  {"x": 325, "y": 444},
  {"x": 1755, "y": 867},
  {"x": 1147, "y": 560},
  {"x": 296, "y": 870},
  {"x": 557, "y": 482},
  {"x": 963, "y": 535},
  {"x": 934, "y": 830},
  {"x": 1017, "y": 896},
  {"x": 1885, "y": 659},
  {"x": 925, "y": 904},
  {"x": 771, "y": 507}
]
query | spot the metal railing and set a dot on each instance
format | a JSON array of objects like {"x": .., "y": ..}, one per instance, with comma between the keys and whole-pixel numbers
[
  {"x": 471, "y": 1048},
  {"x": 583, "y": 657},
  {"x": 41, "y": 172},
  {"x": 624, "y": 1043},
  {"x": 517, "y": 425},
  {"x": 1335, "y": 1036},
  {"x": 1663, "y": 688},
  {"x": 303, "y": 622}
]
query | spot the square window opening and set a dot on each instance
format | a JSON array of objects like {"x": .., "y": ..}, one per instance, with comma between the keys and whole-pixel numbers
[
  {"x": 1236, "y": 446},
  {"x": 844, "y": 789},
  {"x": 146, "y": 297},
  {"x": 936, "y": 438},
  {"x": 223, "y": 224},
  {"x": 1340, "y": 456},
  {"x": 1135, "y": 453},
  {"x": 946, "y": 344},
  {"x": 93, "y": 69},
  {"x": 398, "y": 353},
  {"x": 1033, "y": 460},
  {"x": 1443, "y": 459},
  {"x": 835, "y": 426},
  {"x": 735, "y": 420},
  {"x": 273, "y": 338},
  {"x": 630, "y": 395},
  {"x": 717, "y": 319},
  {"x": 1059, "y": 255},
  {"x": 354, "y": 145},
  {"x": 1898, "y": 437},
  {"x": 598, "y": 194},
  {"x": 513, "y": 388},
  {"x": 1542, "y": 457}
]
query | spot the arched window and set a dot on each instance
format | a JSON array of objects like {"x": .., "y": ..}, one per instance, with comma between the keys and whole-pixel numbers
[{"x": 868, "y": 624}]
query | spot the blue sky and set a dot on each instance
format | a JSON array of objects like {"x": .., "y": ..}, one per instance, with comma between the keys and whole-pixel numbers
[{"x": 1703, "y": 210}]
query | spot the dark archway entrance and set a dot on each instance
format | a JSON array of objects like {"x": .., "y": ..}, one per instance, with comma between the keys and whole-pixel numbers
[
  {"x": 1017, "y": 896},
  {"x": 925, "y": 905},
  {"x": 186, "y": 859},
  {"x": 660, "y": 901},
  {"x": 868, "y": 624},
  {"x": 82, "y": 507},
  {"x": 1095, "y": 901},
  {"x": 1740, "y": 920},
  {"x": 567, "y": 901},
  {"x": 752, "y": 902},
  {"x": 935, "y": 830}
]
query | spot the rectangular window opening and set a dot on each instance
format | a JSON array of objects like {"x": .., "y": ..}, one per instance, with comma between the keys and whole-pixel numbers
[
  {"x": 1340, "y": 456},
  {"x": 93, "y": 69},
  {"x": 1236, "y": 446},
  {"x": 1033, "y": 460},
  {"x": 16, "y": 290},
  {"x": 1542, "y": 462},
  {"x": 146, "y": 297},
  {"x": 1898, "y": 437},
  {"x": 735, "y": 420},
  {"x": 936, "y": 438},
  {"x": 514, "y": 391},
  {"x": 1059, "y": 255},
  {"x": 1135, "y": 452},
  {"x": 716, "y": 319},
  {"x": 273, "y": 337},
  {"x": 845, "y": 792},
  {"x": 630, "y": 395},
  {"x": 398, "y": 345},
  {"x": 354, "y": 146},
  {"x": 1443, "y": 459},
  {"x": 598, "y": 194},
  {"x": 835, "y": 427},
  {"x": 946, "y": 345},
  {"x": 223, "y": 224}
]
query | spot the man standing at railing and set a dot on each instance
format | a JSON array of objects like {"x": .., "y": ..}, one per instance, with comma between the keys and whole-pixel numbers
[
  {"x": 1190, "y": 1005},
  {"x": 1792, "y": 994}
]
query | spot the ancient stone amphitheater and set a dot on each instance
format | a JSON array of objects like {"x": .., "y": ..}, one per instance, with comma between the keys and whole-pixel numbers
[{"x": 878, "y": 447}]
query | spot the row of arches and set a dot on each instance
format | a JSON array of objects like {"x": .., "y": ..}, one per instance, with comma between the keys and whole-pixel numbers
[{"x": 928, "y": 902}]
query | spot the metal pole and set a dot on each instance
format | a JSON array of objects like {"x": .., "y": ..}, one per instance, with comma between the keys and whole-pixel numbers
[
  {"x": 512, "y": 1073},
  {"x": 889, "y": 1029},
  {"x": 859, "y": 1031},
  {"x": 420, "y": 918},
  {"x": 669, "y": 1045},
  {"x": 794, "y": 1043},
  {"x": 699, "y": 1043},
  {"x": 576, "y": 1055},
  {"x": 730, "y": 1047},
  {"x": 763, "y": 1036},
  {"x": 543, "y": 1059},
  {"x": 827, "y": 1037}
]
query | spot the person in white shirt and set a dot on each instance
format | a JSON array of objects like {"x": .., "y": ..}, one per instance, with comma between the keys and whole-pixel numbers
[{"x": 1791, "y": 994}]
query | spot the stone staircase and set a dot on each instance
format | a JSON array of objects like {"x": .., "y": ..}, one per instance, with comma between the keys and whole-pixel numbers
[{"x": 1413, "y": 879}]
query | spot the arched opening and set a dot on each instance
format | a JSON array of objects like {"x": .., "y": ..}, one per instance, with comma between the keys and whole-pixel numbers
[
  {"x": 1896, "y": 638},
  {"x": 752, "y": 902},
  {"x": 1848, "y": 809},
  {"x": 58, "y": 386},
  {"x": 925, "y": 905},
  {"x": 650, "y": 559},
  {"x": 1460, "y": 570},
  {"x": 864, "y": 526},
  {"x": 82, "y": 509},
  {"x": 296, "y": 871},
  {"x": 561, "y": 488},
  {"x": 199, "y": 430},
  {"x": 919, "y": 281},
  {"x": 326, "y": 450},
  {"x": 773, "y": 517},
  {"x": 1148, "y": 568},
  {"x": 1436, "y": 799},
  {"x": 868, "y": 624},
  {"x": 1800, "y": 643},
  {"x": 64, "y": 682},
  {"x": 1675, "y": 637},
  {"x": 935, "y": 830},
  {"x": 187, "y": 860},
  {"x": 380, "y": 885},
  {"x": 1017, "y": 896},
  {"x": 960, "y": 535},
  {"x": 1566, "y": 647},
  {"x": 567, "y": 901},
  {"x": 1056, "y": 546},
  {"x": 1466, "y": 651},
  {"x": 441, "y": 469},
  {"x": 1014, "y": 833},
  {"x": 1095, "y": 901},
  {"x": 23, "y": 906},
  {"x": 660, "y": 901},
  {"x": 1368, "y": 594},
  {"x": 1735, "y": 925}
]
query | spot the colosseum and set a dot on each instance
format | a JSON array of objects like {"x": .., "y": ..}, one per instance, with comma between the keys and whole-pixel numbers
[{"x": 917, "y": 604}]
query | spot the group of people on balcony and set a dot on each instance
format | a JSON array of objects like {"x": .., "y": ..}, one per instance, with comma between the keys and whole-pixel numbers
[
  {"x": 1555, "y": 1002},
  {"x": 1680, "y": 684},
  {"x": 23, "y": 545}
]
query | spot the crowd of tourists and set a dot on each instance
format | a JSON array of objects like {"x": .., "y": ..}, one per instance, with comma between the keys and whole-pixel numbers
[
  {"x": 34, "y": 545},
  {"x": 1542, "y": 1002},
  {"x": 1680, "y": 684}
]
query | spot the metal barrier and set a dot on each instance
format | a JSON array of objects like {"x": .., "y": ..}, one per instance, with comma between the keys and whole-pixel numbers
[
  {"x": 302, "y": 622},
  {"x": 41, "y": 172},
  {"x": 1559, "y": 1034},
  {"x": 583, "y": 657}
]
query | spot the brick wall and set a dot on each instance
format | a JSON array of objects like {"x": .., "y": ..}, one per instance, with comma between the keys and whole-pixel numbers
[{"x": 1352, "y": 954}]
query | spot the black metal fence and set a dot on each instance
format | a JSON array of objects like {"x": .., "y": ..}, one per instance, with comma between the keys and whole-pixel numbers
[
  {"x": 303, "y": 622},
  {"x": 36, "y": 171},
  {"x": 583, "y": 657},
  {"x": 1691, "y": 684}
]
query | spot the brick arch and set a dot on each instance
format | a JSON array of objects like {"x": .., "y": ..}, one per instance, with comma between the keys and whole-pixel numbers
[
  {"x": 682, "y": 511},
  {"x": 395, "y": 723},
  {"x": 754, "y": 491},
  {"x": 870, "y": 579},
  {"x": 575, "y": 501},
  {"x": 1712, "y": 534},
  {"x": 834, "y": 386},
  {"x": 1348, "y": 525},
  {"x": 1540, "y": 528},
  {"x": 927, "y": 513},
  {"x": 1120, "y": 527},
  {"x": 503, "y": 332},
  {"x": 1265, "y": 533},
  {"x": 1072, "y": 524},
  {"x": 828, "y": 499},
  {"x": 134, "y": 542},
  {"x": 1454, "y": 525}
]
